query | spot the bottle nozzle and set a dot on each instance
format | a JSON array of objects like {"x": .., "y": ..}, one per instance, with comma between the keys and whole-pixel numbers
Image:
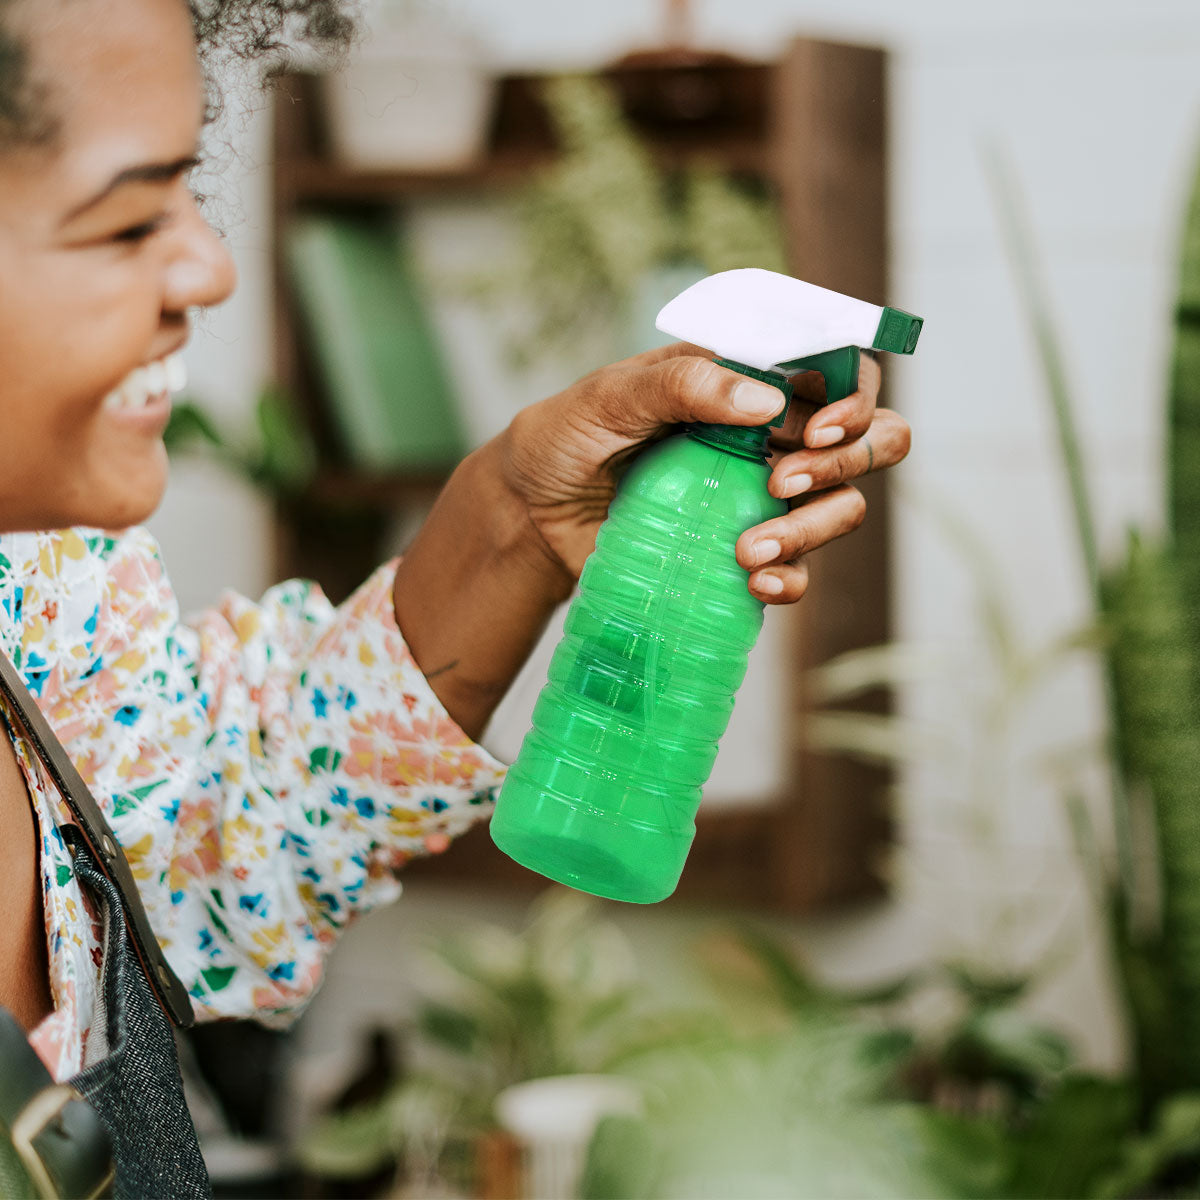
[
  {"x": 898, "y": 331},
  {"x": 771, "y": 326}
]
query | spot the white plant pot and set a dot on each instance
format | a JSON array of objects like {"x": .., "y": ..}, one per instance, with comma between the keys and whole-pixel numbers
[
  {"x": 555, "y": 1118},
  {"x": 415, "y": 99}
]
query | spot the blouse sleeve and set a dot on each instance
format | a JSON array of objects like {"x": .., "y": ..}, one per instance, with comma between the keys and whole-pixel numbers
[{"x": 266, "y": 767}]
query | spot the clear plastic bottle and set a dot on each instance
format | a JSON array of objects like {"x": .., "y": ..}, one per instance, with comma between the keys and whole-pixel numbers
[{"x": 604, "y": 792}]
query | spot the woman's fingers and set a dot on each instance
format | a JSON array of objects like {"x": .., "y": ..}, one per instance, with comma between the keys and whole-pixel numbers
[
  {"x": 830, "y": 424},
  {"x": 783, "y": 583},
  {"x": 770, "y": 549},
  {"x": 851, "y": 416},
  {"x": 884, "y": 444},
  {"x": 639, "y": 397}
]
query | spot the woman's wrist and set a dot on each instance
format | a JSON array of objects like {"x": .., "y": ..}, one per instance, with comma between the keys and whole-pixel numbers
[{"x": 476, "y": 588}]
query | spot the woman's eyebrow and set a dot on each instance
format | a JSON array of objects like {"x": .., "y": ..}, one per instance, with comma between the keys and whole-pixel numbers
[{"x": 144, "y": 173}]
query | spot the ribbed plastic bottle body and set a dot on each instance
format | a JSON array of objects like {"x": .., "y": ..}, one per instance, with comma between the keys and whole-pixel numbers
[{"x": 604, "y": 791}]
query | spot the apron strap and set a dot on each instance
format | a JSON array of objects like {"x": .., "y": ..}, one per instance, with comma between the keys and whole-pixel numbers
[
  {"x": 57, "y": 1138},
  {"x": 91, "y": 826}
]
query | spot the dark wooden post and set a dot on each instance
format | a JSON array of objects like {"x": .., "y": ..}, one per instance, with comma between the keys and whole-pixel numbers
[{"x": 828, "y": 142}]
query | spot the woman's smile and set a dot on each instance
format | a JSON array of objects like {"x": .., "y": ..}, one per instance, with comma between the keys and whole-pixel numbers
[
  {"x": 102, "y": 229},
  {"x": 142, "y": 400}
]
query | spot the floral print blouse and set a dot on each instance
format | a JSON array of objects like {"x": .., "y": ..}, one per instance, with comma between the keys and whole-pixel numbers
[{"x": 266, "y": 767}]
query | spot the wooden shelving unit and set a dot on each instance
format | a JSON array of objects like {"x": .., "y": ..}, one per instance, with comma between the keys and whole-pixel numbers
[{"x": 811, "y": 127}]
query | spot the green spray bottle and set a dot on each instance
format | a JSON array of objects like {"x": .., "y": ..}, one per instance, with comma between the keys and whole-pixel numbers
[{"x": 604, "y": 792}]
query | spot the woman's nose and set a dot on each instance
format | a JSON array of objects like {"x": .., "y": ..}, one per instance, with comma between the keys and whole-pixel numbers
[{"x": 200, "y": 273}]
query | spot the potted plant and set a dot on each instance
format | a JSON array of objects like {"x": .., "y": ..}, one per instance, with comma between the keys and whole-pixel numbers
[{"x": 416, "y": 93}]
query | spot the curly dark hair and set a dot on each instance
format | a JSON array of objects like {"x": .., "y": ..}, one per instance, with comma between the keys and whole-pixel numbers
[{"x": 247, "y": 29}]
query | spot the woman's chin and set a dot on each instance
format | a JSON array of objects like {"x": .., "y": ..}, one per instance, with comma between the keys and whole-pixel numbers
[
  {"x": 101, "y": 489},
  {"x": 122, "y": 503}
]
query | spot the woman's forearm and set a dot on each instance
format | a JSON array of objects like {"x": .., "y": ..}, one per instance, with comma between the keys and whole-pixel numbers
[{"x": 475, "y": 590}]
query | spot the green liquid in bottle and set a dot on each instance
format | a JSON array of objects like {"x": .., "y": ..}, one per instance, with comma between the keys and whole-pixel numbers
[{"x": 604, "y": 792}]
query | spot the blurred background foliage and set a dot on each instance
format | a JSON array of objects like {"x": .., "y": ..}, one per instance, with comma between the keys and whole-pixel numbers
[
  {"x": 776, "y": 1084},
  {"x": 605, "y": 222}
]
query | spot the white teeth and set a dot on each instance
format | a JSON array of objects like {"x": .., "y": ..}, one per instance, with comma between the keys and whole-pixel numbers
[
  {"x": 176, "y": 373},
  {"x": 144, "y": 384},
  {"x": 156, "y": 378}
]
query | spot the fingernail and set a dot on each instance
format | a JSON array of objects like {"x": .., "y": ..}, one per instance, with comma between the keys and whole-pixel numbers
[
  {"x": 766, "y": 550},
  {"x": 793, "y": 485},
  {"x": 758, "y": 399},
  {"x": 826, "y": 436},
  {"x": 771, "y": 584}
]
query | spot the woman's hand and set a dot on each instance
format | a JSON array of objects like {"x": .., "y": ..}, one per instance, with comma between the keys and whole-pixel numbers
[
  {"x": 563, "y": 457},
  {"x": 509, "y": 533}
]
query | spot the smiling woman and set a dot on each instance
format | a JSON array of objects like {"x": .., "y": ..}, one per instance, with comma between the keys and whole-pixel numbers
[
  {"x": 265, "y": 767},
  {"x": 97, "y": 221},
  {"x": 101, "y": 106}
]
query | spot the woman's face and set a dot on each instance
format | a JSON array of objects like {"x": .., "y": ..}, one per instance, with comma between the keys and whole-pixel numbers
[{"x": 102, "y": 254}]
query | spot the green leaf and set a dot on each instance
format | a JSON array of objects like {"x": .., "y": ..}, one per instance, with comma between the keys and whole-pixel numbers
[
  {"x": 986, "y": 989},
  {"x": 1157, "y": 732},
  {"x": 1001, "y": 1044},
  {"x": 348, "y": 1145},
  {"x": 890, "y": 665},
  {"x": 190, "y": 426},
  {"x": 969, "y": 1158},
  {"x": 728, "y": 225},
  {"x": 871, "y": 737},
  {"x": 1183, "y": 408},
  {"x": 287, "y": 456},
  {"x": 453, "y": 1028},
  {"x": 621, "y": 1161},
  {"x": 1072, "y": 1139},
  {"x": 1175, "y": 1135},
  {"x": 782, "y": 972},
  {"x": 1026, "y": 263}
]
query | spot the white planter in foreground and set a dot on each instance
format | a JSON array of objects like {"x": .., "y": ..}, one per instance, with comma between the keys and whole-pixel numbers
[{"x": 555, "y": 1118}]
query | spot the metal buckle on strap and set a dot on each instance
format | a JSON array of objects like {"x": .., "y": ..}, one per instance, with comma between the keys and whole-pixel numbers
[{"x": 38, "y": 1116}]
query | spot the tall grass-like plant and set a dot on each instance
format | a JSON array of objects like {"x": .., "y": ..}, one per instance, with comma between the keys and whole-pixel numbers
[
  {"x": 1183, "y": 430},
  {"x": 1149, "y": 605}
]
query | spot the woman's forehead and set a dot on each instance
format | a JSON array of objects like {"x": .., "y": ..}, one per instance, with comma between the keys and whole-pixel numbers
[{"x": 118, "y": 75}]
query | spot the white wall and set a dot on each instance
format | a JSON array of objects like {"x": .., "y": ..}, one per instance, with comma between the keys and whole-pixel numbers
[{"x": 1098, "y": 109}]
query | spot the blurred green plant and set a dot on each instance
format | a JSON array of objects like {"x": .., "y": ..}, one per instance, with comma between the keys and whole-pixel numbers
[
  {"x": 560, "y": 996},
  {"x": 600, "y": 221},
  {"x": 844, "y": 1099},
  {"x": 1148, "y": 605},
  {"x": 279, "y": 456},
  {"x": 806, "y": 1090},
  {"x": 990, "y": 1104}
]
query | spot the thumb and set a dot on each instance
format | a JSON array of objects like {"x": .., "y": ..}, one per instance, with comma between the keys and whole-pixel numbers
[{"x": 690, "y": 388}]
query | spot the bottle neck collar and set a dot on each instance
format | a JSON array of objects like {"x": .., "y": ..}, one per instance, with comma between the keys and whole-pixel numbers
[{"x": 744, "y": 441}]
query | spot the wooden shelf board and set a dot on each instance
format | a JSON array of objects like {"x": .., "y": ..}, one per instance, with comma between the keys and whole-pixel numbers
[{"x": 314, "y": 179}]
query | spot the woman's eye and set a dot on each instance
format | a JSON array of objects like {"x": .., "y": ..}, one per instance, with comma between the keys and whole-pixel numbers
[{"x": 140, "y": 232}]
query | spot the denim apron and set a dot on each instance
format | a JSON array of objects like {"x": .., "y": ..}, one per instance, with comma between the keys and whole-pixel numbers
[
  {"x": 136, "y": 1088},
  {"x": 130, "y": 1079},
  {"x": 131, "y": 1083}
]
